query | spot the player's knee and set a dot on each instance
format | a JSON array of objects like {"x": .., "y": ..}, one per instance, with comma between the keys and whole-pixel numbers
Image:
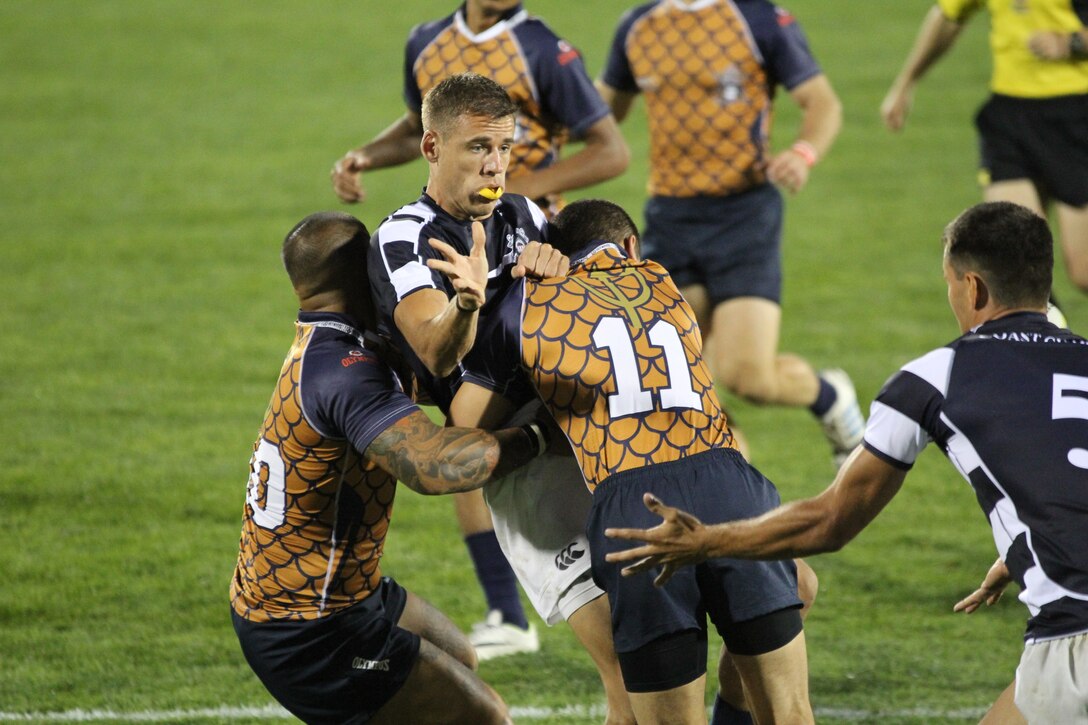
[
  {"x": 493, "y": 712},
  {"x": 751, "y": 384}
]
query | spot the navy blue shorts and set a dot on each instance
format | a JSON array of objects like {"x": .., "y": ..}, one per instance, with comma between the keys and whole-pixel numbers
[
  {"x": 1044, "y": 140},
  {"x": 718, "y": 485},
  {"x": 338, "y": 669},
  {"x": 731, "y": 245}
]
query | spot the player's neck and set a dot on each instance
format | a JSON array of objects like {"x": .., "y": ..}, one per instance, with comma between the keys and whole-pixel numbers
[{"x": 477, "y": 21}]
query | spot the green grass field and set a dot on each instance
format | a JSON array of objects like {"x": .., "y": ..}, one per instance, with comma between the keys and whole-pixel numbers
[{"x": 153, "y": 156}]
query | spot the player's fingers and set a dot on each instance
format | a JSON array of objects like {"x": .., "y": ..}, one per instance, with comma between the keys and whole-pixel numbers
[
  {"x": 529, "y": 257},
  {"x": 628, "y": 534},
  {"x": 638, "y": 554},
  {"x": 654, "y": 504},
  {"x": 638, "y": 567},
  {"x": 479, "y": 240},
  {"x": 558, "y": 264},
  {"x": 442, "y": 266},
  {"x": 666, "y": 573},
  {"x": 444, "y": 249}
]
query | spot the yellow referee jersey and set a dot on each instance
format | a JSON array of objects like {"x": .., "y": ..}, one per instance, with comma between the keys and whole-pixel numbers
[{"x": 1016, "y": 72}]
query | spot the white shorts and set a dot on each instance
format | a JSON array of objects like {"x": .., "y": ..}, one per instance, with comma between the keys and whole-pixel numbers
[
  {"x": 540, "y": 512},
  {"x": 1052, "y": 681}
]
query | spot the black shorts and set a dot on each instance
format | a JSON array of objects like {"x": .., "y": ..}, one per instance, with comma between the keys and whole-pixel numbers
[
  {"x": 1041, "y": 139},
  {"x": 731, "y": 245},
  {"x": 718, "y": 485},
  {"x": 338, "y": 669}
]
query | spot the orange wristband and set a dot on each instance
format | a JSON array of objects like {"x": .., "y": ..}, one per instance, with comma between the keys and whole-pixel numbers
[{"x": 806, "y": 151}]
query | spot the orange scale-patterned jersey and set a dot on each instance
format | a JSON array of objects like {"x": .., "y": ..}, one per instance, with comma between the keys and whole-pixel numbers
[
  {"x": 708, "y": 70},
  {"x": 614, "y": 352},
  {"x": 543, "y": 74},
  {"x": 317, "y": 511}
]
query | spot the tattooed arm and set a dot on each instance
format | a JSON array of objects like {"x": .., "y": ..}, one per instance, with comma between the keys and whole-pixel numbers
[{"x": 430, "y": 459}]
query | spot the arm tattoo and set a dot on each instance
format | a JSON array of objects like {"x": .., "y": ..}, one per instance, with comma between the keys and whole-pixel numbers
[{"x": 431, "y": 459}]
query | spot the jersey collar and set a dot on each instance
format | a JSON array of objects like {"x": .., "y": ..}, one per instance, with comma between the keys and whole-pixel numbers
[{"x": 511, "y": 17}]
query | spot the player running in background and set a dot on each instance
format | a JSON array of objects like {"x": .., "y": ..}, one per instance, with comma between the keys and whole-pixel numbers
[
  {"x": 614, "y": 352},
  {"x": 556, "y": 102},
  {"x": 543, "y": 74},
  {"x": 1033, "y": 129},
  {"x": 329, "y": 636},
  {"x": 1008, "y": 404},
  {"x": 708, "y": 71}
]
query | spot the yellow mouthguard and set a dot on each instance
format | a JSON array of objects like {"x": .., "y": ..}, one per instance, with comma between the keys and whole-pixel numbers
[{"x": 489, "y": 193}]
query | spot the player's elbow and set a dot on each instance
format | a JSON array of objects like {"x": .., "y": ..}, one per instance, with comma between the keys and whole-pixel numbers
[
  {"x": 616, "y": 159},
  {"x": 437, "y": 364}
]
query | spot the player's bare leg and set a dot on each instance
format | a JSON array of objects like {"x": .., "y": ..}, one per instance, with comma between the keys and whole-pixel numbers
[
  {"x": 743, "y": 345},
  {"x": 1004, "y": 710},
  {"x": 730, "y": 687},
  {"x": 679, "y": 706},
  {"x": 592, "y": 625},
  {"x": 430, "y": 623},
  {"x": 1073, "y": 231},
  {"x": 743, "y": 350},
  {"x": 776, "y": 684},
  {"x": 1018, "y": 191},
  {"x": 442, "y": 688},
  {"x": 473, "y": 515}
]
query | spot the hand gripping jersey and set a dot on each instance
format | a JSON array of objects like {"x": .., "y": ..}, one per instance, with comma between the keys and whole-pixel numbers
[
  {"x": 543, "y": 74},
  {"x": 399, "y": 250},
  {"x": 1008, "y": 404},
  {"x": 708, "y": 71},
  {"x": 316, "y": 510},
  {"x": 614, "y": 352},
  {"x": 1017, "y": 72}
]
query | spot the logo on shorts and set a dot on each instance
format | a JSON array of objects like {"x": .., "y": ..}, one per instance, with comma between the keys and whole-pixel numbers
[
  {"x": 566, "y": 558},
  {"x": 360, "y": 663}
]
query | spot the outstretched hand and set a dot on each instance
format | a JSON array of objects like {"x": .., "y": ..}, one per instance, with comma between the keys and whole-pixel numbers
[
  {"x": 676, "y": 542},
  {"x": 988, "y": 592},
  {"x": 468, "y": 274},
  {"x": 540, "y": 261}
]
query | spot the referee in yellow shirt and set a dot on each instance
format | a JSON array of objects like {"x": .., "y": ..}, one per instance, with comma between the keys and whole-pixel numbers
[{"x": 1033, "y": 129}]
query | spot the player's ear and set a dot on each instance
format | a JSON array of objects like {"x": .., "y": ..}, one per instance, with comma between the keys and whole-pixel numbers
[
  {"x": 980, "y": 293},
  {"x": 428, "y": 146},
  {"x": 631, "y": 247}
]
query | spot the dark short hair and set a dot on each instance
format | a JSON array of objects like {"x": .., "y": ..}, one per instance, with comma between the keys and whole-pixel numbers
[
  {"x": 327, "y": 252},
  {"x": 589, "y": 220},
  {"x": 1009, "y": 246},
  {"x": 465, "y": 94}
]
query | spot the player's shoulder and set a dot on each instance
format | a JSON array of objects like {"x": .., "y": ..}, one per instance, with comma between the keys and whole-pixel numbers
[
  {"x": 339, "y": 360},
  {"x": 519, "y": 211},
  {"x": 631, "y": 15},
  {"x": 764, "y": 16},
  {"x": 406, "y": 223},
  {"x": 425, "y": 32},
  {"x": 526, "y": 24}
]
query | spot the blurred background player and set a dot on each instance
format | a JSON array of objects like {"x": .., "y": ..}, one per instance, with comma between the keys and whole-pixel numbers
[
  {"x": 330, "y": 638},
  {"x": 708, "y": 71},
  {"x": 1006, "y": 402},
  {"x": 546, "y": 78},
  {"x": 614, "y": 352},
  {"x": 543, "y": 74},
  {"x": 1033, "y": 129}
]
